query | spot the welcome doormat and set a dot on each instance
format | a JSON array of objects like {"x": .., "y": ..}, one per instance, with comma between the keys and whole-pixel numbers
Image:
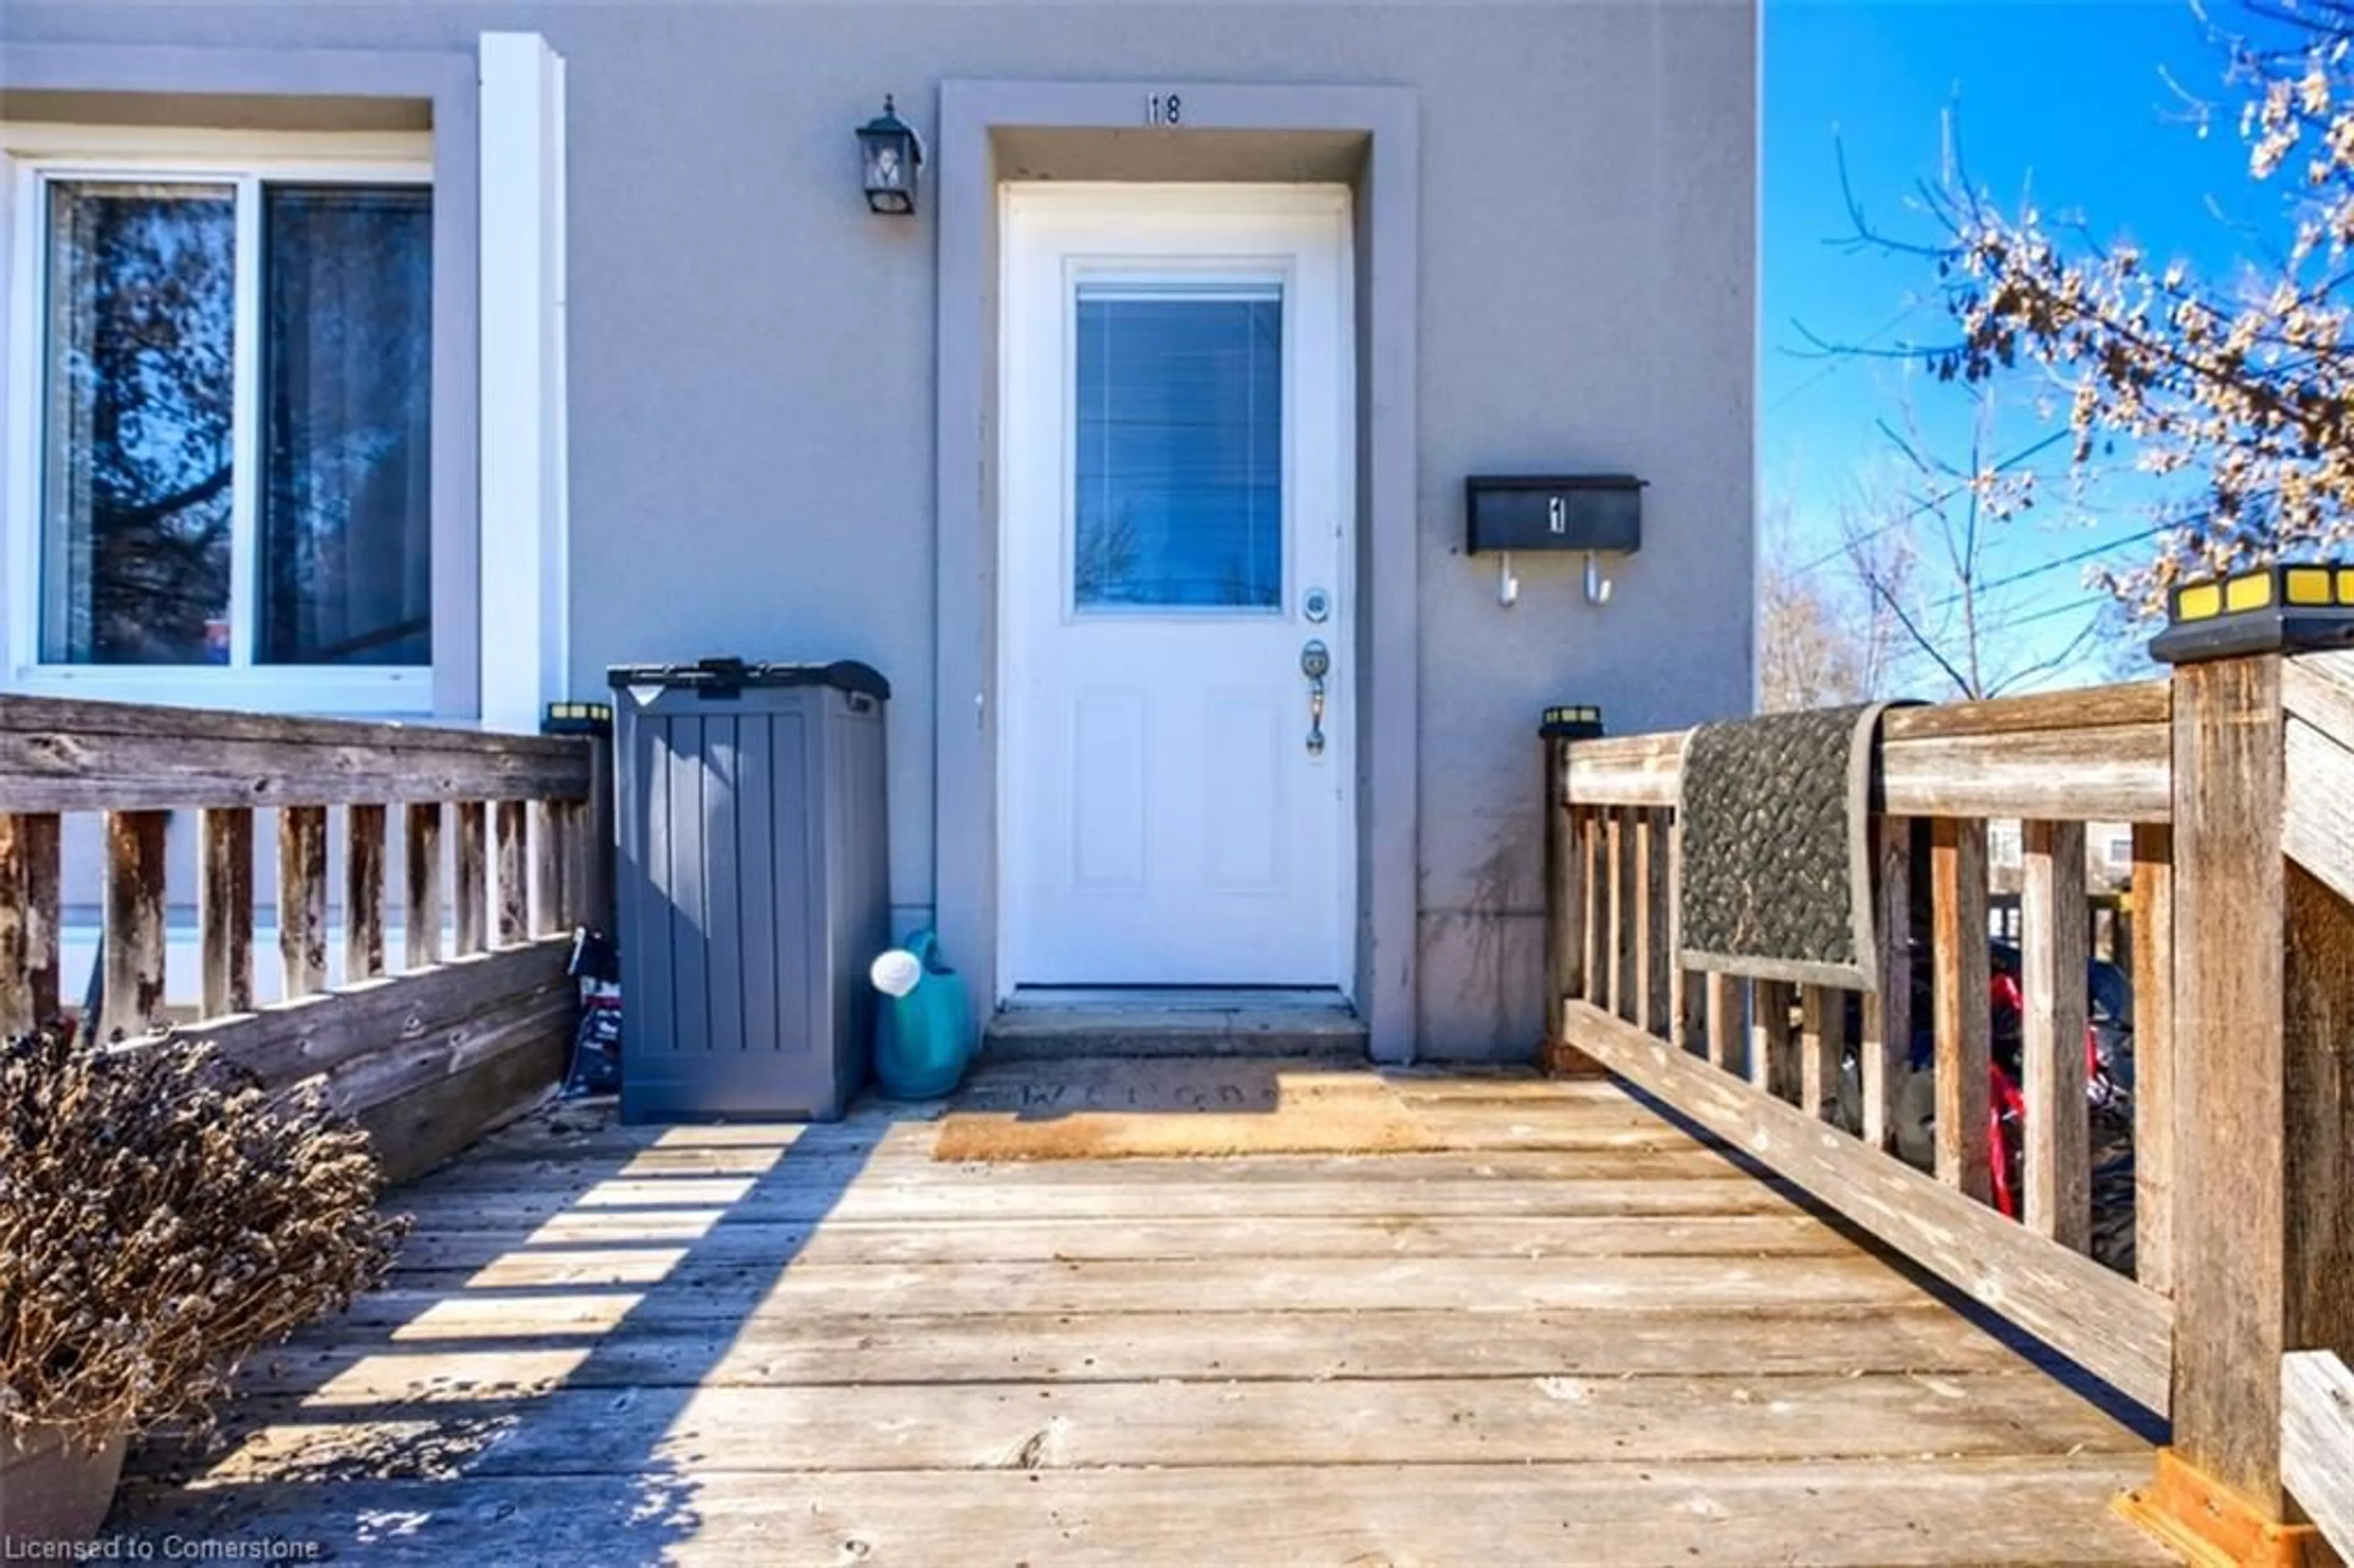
[{"x": 1188, "y": 1108}]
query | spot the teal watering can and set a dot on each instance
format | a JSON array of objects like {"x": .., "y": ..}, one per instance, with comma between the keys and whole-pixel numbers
[{"x": 923, "y": 1026}]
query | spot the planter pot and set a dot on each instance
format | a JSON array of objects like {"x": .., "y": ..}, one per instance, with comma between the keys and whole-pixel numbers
[{"x": 53, "y": 1490}]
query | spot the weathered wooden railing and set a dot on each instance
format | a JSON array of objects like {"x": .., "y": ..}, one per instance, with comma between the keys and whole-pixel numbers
[
  {"x": 2237, "y": 777},
  {"x": 2317, "y": 1442},
  {"x": 424, "y": 1058}
]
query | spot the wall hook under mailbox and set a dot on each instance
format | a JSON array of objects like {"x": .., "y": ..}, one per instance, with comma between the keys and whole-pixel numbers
[
  {"x": 1597, "y": 586},
  {"x": 1507, "y": 587}
]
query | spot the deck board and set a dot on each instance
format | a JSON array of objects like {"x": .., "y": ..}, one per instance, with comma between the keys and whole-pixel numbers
[
  {"x": 561, "y": 1246},
  {"x": 1578, "y": 1334}
]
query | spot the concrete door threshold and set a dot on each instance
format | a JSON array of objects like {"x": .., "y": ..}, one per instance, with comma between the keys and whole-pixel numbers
[{"x": 1040, "y": 1024}]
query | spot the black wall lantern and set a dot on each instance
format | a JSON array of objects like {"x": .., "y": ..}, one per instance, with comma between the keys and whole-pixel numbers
[{"x": 892, "y": 154}]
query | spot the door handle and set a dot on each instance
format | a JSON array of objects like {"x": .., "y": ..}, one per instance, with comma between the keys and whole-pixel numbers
[{"x": 1315, "y": 662}]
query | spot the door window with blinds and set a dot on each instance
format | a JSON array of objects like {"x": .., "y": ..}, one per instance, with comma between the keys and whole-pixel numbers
[{"x": 1177, "y": 470}]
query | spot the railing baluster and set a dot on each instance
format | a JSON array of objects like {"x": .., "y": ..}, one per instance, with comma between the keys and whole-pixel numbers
[
  {"x": 132, "y": 1003},
  {"x": 29, "y": 921},
  {"x": 473, "y": 877},
  {"x": 509, "y": 831},
  {"x": 1687, "y": 1010},
  {"x": 1652, "y": 940},
  {"x": 1958, "y": 877},
  {"x": 16, "y": 1012},
  {"x": 2054, "y": 929},
  {"x": 1593, "y": 854},
  {"x": 303, "y": 899},
  {"x": 225, "y": 908},
  {"x": 363, "y": 893},
  {"x": 421, "y": 891},
  {"x": 546, "y": 852},
  {"x": 2153, "y": 1050},
  {"x": 574, "y": 908},
  {"x": 1724, "y": 1020},
  {"x": 1619, "y": 952},
  {"x": 1823, "y": 1041},
  {"x": 1887, "y": 1044},
  {"x": 1772, "y": 1048}
]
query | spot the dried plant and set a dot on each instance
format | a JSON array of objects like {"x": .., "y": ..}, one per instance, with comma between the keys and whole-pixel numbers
[
  {"x": 162, "y": 1216},
  {"x": 2246, "y": 386}
]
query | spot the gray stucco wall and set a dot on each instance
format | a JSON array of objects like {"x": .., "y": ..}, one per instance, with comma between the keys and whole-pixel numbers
[{"x": 752, "y": 355}]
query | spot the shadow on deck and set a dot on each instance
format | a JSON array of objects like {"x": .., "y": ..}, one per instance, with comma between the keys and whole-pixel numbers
[{"x": 1561, "y": 1328}]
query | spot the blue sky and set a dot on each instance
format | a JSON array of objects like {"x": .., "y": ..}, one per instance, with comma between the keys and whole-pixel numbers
[{"x": 2069, "y": 101}]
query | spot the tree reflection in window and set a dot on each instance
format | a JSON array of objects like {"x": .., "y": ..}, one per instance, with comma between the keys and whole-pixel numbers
[{"x": 141, "y": 306}]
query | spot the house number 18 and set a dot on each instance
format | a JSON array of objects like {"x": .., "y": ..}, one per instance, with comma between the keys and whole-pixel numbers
[{"x": 1160, "y": 109}]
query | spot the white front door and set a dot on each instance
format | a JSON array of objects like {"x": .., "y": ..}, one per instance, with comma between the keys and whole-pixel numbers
[{"x": 1174, "y": 524}]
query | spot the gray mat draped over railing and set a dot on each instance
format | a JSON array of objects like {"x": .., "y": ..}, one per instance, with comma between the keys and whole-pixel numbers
[{"x": 1775, "y": 863}]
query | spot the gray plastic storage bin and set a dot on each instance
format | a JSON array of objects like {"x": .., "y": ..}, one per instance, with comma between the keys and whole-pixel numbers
[{"x": 753, "y": 886}]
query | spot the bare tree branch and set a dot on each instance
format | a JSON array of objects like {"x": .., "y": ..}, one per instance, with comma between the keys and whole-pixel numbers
[{"x": 2244, "y": 386}]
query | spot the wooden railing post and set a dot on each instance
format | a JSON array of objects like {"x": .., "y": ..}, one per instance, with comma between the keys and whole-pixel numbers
[
  {"x": 1564, "y": 951},
  {"x": 1570, "y": 875},
  {"x": 2263, "y": 1084}
]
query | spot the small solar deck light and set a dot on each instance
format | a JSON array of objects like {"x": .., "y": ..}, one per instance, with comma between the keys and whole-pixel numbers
[
  {"x": 1581, "y": 721},
  {"x": 577, "y": 718},
  {"x": 2274, "y": 609}
]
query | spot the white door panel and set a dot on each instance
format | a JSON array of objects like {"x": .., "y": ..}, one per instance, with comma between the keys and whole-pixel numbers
[{"x": 1177, "y": 473}]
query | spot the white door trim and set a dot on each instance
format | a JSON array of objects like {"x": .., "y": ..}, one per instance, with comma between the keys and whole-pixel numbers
[{"x": 1091, "y": 220}]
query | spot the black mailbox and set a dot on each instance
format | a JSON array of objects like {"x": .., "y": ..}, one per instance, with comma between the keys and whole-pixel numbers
[{"x": 1600, "y": 512}]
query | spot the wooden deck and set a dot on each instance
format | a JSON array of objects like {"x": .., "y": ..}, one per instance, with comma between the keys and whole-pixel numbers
[{"x": 1578, "y": 1334}]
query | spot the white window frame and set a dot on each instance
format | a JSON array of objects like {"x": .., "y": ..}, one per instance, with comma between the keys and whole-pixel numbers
[{"x": 35, "y": 154}]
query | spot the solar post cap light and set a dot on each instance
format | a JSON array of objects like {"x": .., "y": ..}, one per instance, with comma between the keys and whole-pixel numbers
[
  {"x": 2271, "y": 610},
  {"x": 1581, "y": 721},
  {"x": 577, "y": 718}
]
